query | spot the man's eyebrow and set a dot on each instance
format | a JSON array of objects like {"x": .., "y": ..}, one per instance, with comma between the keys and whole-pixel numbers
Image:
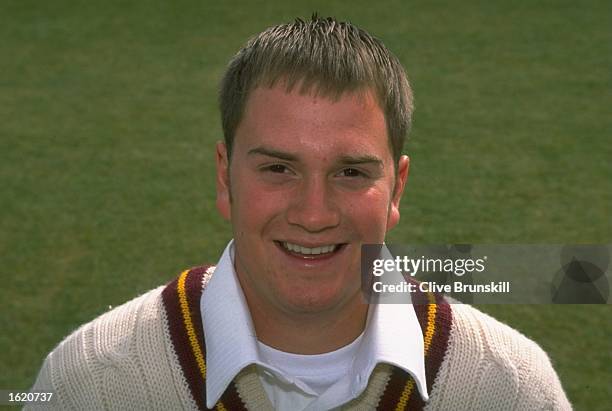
[
  {"x": 273, "y": 153},
  {"x": 345, "y": 160},
  {"x": 362, "y": 159}
]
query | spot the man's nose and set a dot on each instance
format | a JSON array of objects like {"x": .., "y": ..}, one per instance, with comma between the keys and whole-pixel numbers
[{"x": 313, "y": 207}]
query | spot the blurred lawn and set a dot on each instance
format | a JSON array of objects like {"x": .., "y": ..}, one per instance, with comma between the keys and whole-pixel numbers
[{"x": 108, "y": 117}]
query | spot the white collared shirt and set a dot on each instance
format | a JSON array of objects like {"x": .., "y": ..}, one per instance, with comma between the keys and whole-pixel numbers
[{"x": 392, "y": 335}]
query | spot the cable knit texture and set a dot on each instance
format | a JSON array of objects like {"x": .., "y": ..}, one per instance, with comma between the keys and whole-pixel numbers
[
  {"x": 490, "y": 366},
  {"x": 130, "y": 358}
]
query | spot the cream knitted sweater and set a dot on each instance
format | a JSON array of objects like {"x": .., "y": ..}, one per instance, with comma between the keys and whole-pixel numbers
[{"x": 149, "y": 354}]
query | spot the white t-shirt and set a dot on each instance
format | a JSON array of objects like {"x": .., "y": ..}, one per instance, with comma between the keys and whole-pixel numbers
[{"x": 312, "y": 375}]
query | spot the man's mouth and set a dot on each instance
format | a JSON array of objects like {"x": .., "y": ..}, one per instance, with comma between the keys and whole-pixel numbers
[{"x": 312, "y": 252}]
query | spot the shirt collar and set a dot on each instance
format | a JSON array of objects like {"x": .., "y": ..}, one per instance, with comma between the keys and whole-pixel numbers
[
  {"x": 393, "y": 335},
  {"x": 390, "y": 338},
  {"x": 231, "y": 342}
]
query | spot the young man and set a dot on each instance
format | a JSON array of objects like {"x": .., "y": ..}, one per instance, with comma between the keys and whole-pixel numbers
[{"x": 314, "y": 116}]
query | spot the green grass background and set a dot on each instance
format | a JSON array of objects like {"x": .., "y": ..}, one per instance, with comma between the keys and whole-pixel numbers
[{"x": 108, "y": 117}]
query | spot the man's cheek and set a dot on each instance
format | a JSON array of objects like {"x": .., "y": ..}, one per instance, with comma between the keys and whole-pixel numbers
[{"x": 256, "y": 210}]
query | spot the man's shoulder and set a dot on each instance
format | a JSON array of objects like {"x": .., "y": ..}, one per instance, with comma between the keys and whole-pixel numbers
[
  {"x": 112, "y": 330},
  {"x": 142, "y": 316},
  {"x": 110, "y": 337},
  {"x": 487, "y": 335},
  {"x": 129, "y": 345},
  {"x": 498, "y": 365}
]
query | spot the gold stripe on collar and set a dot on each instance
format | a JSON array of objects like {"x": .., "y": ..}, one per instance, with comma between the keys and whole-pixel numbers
[
  {"x": 193, "y": 340},
  {"x": 429, "y": 333}
]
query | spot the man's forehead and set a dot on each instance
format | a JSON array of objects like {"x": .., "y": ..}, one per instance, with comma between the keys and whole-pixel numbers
[
  {"x": 314, "y": 90},
  {"x": 277, "y": 107},
  {"x": 299, "y": 124}
]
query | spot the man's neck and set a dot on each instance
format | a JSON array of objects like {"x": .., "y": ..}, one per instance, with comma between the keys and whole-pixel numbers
[{"x": 309, "y": 333}]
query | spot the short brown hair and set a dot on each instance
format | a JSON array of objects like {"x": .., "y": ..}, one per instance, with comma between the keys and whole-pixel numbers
[{"x": 323, "y": 54}]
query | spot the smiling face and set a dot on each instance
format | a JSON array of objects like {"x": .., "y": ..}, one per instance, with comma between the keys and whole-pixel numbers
[{"x": 311, "y": 180}]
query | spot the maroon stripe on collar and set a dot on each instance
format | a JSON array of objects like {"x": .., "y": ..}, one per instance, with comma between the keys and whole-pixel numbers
[
  {"x": 439, "y": 344},
  {"x": 398, "y": 380},
  {"x": 184, "y": 347},
  {"x": 180, "y": 343},
  {"x": 194, "y": 289},
  {"x": 231, "y": 400}
]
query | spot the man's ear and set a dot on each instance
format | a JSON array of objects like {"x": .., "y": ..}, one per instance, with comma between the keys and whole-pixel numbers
[
  {"x": 403, "y": 166},
  {"x": 223, "y": 182}
]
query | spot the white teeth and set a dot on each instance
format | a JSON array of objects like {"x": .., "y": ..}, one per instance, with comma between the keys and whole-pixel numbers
[{"x": 309, "y": 251}]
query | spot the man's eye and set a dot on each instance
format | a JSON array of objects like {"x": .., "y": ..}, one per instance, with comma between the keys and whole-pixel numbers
[
  {"x": 277, "y": 168},
  {"x": 351, "y": 172}
]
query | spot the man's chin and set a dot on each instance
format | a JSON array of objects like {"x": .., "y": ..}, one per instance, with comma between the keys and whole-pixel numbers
[{"x": 315, "y": 302}]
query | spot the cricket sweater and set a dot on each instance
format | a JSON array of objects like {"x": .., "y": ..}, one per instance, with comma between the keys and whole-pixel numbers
[{"x": 150, "y": 354}]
